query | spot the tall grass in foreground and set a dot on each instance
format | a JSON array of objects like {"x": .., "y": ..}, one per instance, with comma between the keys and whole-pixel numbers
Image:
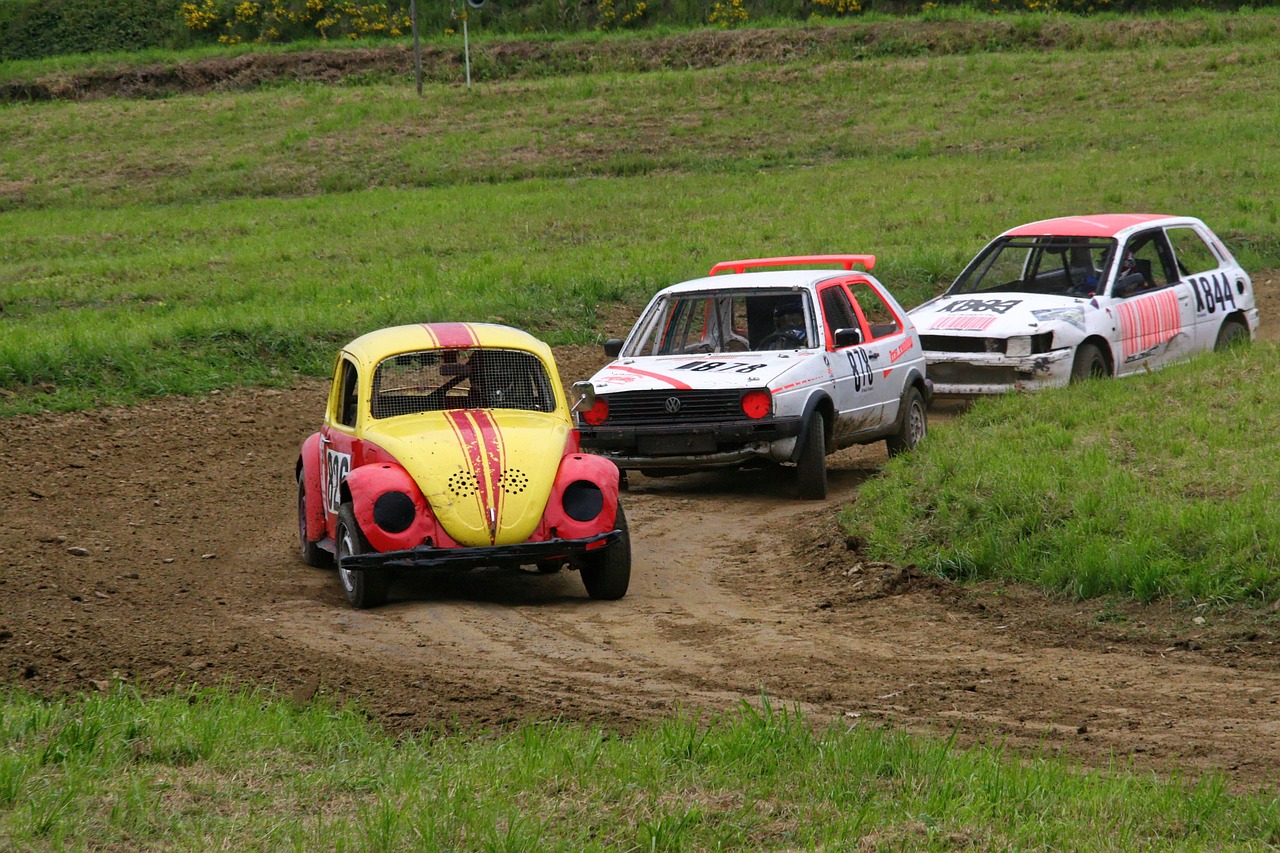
[
  {"x": 1155, "y": 485},
  {"x": 217, "y": 770}
]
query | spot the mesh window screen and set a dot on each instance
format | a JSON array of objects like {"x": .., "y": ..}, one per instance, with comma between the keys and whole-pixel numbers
[{"x": 435, "y": 380}]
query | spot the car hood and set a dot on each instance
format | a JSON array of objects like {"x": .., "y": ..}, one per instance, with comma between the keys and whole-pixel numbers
[
  {"x": 487, "y": 473},
  {"x": 1002, "y": 315},
  {"x": 700, "y": 372}
]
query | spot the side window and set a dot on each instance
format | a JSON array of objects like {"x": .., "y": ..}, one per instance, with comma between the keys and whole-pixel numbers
[
  {"x": 1148, "y": 254},
  {"x": 881, "y": 319},
  {"x": 838, "y": 311},
  {"x": 348, "y": 394},
  {"x": 1192, "y": 254}
]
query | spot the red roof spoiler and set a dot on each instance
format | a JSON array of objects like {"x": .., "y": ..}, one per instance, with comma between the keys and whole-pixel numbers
[{"x": 846, "y": 261}]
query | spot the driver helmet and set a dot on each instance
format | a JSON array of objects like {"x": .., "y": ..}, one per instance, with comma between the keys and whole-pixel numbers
[{"x": 788, "y": 318}]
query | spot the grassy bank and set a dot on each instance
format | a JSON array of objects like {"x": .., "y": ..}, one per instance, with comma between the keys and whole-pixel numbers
[
  {"x": 215, "y": 770},
  {"x": 1153, "y": 486},
  {"x": 178, "y": 245}
]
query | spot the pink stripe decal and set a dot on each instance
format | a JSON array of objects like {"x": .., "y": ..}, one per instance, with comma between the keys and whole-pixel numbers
[
  {"x": 674, "y": 383},
  {"x": 452, "y": 335},
  {"x": 1149, "y": 321},
  {"x": 964, "y": 323}
]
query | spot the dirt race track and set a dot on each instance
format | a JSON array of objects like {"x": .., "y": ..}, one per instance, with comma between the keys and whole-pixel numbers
[{"x": 156, "y": 544}]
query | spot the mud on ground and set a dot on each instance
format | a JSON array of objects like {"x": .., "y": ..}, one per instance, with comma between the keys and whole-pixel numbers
[{"x": 155, "y": 544}]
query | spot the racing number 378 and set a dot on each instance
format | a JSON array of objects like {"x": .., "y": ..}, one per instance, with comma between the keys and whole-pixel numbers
[{"x": 862, "y": 373}]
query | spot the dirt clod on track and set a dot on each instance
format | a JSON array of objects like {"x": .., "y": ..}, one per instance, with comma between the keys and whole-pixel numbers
[{"x": 156, "y": 544}]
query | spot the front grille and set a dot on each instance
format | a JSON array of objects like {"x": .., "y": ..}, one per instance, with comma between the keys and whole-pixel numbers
[
  {"x": 955, "y": 343},
  {"x": 646, "y": 407}
]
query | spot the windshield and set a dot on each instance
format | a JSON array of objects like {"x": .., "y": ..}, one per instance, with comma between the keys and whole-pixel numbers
[
  {"x": 725, "y": 321},
  {"x": 1065, "y": 266},
  {"x": 434, "y": 380}
]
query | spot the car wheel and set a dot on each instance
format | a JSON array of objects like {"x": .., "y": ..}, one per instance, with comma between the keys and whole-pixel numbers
[
  {"x": 312, "y": 554},
  {"x": 367, "y": 588},
  {"x": 914, "y": 425},
  {"x": 1089, "y": 364},
  {"x": 1233, "y": 333},
  {"x": 606, "y": 573},
  {"x": 811, "y": 467}
]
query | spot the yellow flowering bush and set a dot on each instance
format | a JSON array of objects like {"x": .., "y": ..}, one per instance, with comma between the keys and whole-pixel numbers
[
  {"x": 282, "y": 20},
  {"x": 839, "y": 7},
  {"x": 729, "y": 13},
  {"x": 608, "y": 16}
]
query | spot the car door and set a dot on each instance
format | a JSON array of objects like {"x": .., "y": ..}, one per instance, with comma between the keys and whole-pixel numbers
[
  {"x": 858, "y": 389},
  {"x": 1208, "y": 276},
  {"x": 1154, "y": 307},
  {"x": 338, "y": 437}
]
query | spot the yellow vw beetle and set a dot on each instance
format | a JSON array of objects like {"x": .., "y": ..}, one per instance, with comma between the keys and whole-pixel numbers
[{"x": 452, "y": 445}]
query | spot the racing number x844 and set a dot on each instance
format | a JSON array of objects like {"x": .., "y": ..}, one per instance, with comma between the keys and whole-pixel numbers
[
  {"x": 769, "y": 367},
  {"x": 451, "y": 445}
]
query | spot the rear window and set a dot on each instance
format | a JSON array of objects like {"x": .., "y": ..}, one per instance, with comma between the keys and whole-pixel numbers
[{"x": 476, "y": 378}]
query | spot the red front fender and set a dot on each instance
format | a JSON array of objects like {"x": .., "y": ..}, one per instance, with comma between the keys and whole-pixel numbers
[
  {"x": 575, "y": 467},
  {"x": 368, "y": 483}
]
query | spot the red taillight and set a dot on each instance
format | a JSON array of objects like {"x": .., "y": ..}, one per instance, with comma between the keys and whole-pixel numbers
[
  {"x": 757, "y": 404},
  {"x": 597, "y": 413}
]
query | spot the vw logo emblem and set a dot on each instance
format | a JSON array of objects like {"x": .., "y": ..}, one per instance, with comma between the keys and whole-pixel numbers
[{"x": 672, "y": 405}]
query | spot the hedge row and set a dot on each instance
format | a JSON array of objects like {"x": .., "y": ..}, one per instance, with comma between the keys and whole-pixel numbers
[{"x": 30, "y": 29}]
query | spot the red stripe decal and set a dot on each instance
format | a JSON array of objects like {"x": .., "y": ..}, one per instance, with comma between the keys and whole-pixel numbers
[
  {"x": 452, "y": 335},
  {"x": 482, "y": 441},
  {"x": 674, "y": 383}
]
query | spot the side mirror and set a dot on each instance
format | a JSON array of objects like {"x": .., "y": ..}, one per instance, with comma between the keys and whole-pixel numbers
[
  {"x": 584, "y": 396},
  {"x": 613, "y": 347},
  {"x": 848, "y": 337},
  {"x": 1129, "y": 285}
]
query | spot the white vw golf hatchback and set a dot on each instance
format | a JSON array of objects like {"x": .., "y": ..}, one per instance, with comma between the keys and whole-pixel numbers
[{"x": 773, "y": 367}]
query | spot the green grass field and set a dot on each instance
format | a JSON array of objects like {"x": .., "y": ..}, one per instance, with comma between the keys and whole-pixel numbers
[
  {"x": 180, "y": 245},
  {"x": 215, "y": 770}
]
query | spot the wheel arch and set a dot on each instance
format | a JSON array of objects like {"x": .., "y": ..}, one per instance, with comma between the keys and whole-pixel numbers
[
  {"x": 822, "y": 403},
  {"x": 1104, "y": 347}
]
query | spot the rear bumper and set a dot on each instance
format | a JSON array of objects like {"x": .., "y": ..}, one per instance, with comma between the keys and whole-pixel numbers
[
  {"x": 669, "y": 445},
  {"x": 427, "y": 557}
]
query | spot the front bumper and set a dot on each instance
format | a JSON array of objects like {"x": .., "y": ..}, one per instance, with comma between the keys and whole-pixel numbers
[
  {"x": 972, "y": 374},
  {"x": 427, "y": 557},
  {"x": 708, "y": 445}
]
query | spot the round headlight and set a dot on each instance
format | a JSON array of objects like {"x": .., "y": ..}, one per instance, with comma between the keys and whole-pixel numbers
[
  {"x": 393, "y": 512},
  {"x": 757, "y": 403},
  {"x": 597, "y": 413}
]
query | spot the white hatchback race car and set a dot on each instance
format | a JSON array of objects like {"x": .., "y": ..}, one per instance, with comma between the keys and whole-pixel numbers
[
  {"x": 783, "y": 366},
  {"x": 1063, "y": 299}
]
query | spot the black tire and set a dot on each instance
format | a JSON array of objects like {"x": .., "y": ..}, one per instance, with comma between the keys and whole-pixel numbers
[
  {"x": 367, "y": 588},
  {"x": 811, "y": 466},
  {"x": 1233, "y": 333},
  {"x": 1089, "y": 364},
  {"x": 912, "y": 427},
  {"x": 607, "y": 573},
  {"x": 312, "y": 554}
]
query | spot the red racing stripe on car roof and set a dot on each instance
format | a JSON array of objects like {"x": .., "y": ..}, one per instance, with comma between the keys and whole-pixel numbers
[
  {"x": 674, "y": 383},
  {"x": 452, "y": 335}
]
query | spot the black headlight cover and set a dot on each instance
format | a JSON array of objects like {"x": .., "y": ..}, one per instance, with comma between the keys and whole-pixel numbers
[{"x": 393, "y": 512}]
